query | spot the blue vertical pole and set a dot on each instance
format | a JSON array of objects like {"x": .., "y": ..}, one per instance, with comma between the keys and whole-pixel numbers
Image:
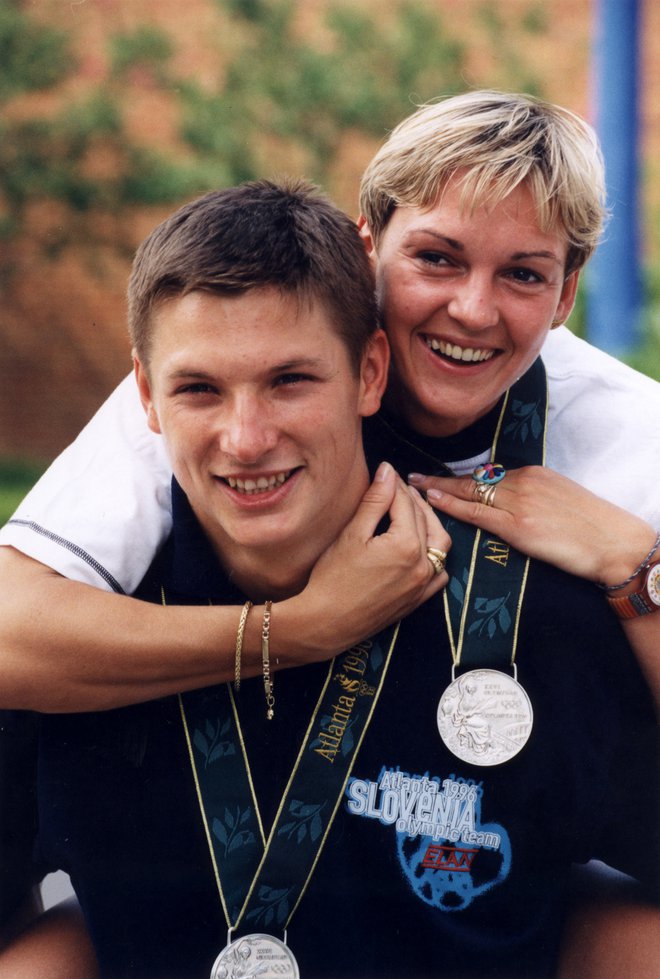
[{"x": 614, "y": 289}]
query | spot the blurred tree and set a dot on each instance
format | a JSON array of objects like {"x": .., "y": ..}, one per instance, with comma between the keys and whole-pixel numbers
[
  {"x": 31, "y": 56},
  {"x": 281, "y": 86},
  {"x": 53, "y": 155},
  {"x": 512, "y": 69},
  {"x": 146, "y": 47},
  {"x": 275, "y": 87}
]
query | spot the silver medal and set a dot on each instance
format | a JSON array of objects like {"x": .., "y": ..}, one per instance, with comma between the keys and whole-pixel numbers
[
  {"x": 485, "y": 717},
  {"x": 256, "y": 955}
]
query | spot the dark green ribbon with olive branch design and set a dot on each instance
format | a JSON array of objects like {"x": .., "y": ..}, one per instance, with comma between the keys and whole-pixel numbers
[
  {"x": 261, "y": 881},
  {"x": 486, "y": 577},
  {"x": 484, "y": 597}
]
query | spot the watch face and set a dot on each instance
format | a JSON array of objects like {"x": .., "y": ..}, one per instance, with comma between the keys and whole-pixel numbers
[{"x": 653, "y": 584}]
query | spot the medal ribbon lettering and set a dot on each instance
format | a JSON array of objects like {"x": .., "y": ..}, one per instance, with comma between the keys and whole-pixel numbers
[{"x": 261, "y": 882}]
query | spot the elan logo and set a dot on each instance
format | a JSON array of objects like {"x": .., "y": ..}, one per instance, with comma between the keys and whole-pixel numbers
[{"x": 449, "y": 858}]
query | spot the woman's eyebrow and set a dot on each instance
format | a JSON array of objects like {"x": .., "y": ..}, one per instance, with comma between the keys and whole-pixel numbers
[
  {"x": 452, "y": 242},
  {"x": 521, "y": 256}
]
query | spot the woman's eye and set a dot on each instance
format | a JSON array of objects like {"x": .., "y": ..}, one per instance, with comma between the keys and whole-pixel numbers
[
  {"x": 434, "y": 258},
  {"x": 525, "y": 276}
]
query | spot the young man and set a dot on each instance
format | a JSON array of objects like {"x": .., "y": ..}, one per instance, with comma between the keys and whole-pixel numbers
[{"x": 256, "y": 356}]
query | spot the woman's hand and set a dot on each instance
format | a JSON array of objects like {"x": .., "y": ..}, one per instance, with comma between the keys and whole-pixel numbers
[
  {"x": 549, "y": 517},
  {"x": 364, "y": 581}
]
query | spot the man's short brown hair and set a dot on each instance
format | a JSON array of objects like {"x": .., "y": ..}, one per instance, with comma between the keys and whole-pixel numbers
[{"x": 257, "y": 234}]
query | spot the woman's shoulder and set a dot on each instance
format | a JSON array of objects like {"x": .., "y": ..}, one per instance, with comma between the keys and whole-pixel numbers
[
  {"x": 570, "y": 360},
  {"x": 603, "y": 427}
]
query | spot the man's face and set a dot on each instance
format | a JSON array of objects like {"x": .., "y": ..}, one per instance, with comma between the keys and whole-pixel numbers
[
  {"x": 467, "y": 301},
  {"x": 261, "y": 414}
]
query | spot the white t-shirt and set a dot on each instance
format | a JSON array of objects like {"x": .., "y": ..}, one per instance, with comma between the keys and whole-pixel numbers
[{"x": 102, "y": 509}]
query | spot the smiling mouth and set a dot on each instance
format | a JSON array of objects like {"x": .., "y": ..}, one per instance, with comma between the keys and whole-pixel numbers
[
  {"x": 261, "y": 484},
  {"x": 452, "y": 351}
]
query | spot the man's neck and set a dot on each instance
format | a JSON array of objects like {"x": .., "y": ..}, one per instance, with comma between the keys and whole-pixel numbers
[{"x": 266, "y": 575}]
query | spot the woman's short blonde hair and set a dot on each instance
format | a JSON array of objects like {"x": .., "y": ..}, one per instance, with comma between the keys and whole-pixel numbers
[{"x": 497, "y": 141}]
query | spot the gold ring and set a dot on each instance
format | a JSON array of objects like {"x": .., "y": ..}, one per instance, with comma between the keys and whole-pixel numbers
[
  {"x": 484, "y": 493},
  {"x": 437, "y": 562},
  {"x": 489, "y": 496},
  {"x": 478, "y": 491}
]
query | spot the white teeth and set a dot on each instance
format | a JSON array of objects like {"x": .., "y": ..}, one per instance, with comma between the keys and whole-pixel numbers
[
  {"x": 467, "y": 354},
  {"x": 260, "y": 485}
]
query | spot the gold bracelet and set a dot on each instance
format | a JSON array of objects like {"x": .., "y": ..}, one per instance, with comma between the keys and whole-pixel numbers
[
  {"x": 265, "y": 659},
  {"x": 239, "y": 645}
]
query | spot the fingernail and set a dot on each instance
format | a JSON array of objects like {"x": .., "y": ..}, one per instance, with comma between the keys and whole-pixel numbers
[
  {"x": 434, "y": 495},
  {"x": 383, "y": 472},
  {"x": 415, "y": 478}
]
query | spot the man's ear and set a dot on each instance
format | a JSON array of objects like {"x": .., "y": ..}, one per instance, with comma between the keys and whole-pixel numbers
[
  {"x": 567, "y": 299},
  {"x": 367, "y": 238},
  {"x": 144, "y": 388},
  {"x": 373, "y": 373}
]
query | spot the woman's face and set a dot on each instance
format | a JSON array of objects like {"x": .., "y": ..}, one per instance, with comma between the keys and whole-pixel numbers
[{"x": 467, "y": 300}]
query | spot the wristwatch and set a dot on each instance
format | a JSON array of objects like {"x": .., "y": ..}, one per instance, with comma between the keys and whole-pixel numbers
[{"x": 641, "y": 602}]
